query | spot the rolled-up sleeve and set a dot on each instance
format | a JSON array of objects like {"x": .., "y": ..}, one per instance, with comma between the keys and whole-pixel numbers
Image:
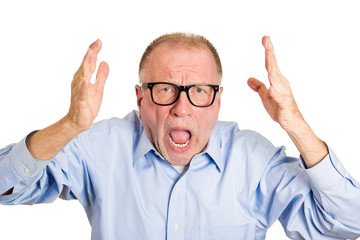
[
  {"x": 17, "y": 165},
  {"x": 328, "y": 209},
  {"x": 337, "y": 192},
  {"x": 329, "y": 172}
]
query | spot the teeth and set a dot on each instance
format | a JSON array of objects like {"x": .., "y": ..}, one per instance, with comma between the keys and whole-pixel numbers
[{"x": 179, "y": 145}]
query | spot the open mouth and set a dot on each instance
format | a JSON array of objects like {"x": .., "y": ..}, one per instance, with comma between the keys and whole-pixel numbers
[{"x": 179, "y": 138}]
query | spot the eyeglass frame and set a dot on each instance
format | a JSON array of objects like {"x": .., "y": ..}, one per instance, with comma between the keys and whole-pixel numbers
[{"x": 181, "y": 88}]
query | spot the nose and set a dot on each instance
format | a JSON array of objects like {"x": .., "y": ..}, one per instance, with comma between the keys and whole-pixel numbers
[{"x": 182, "y": 107}]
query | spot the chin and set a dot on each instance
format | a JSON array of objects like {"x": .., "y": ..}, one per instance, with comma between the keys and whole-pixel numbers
[
  {"x": 178, "y": 159},
  {"x": 180, "y": 162}
]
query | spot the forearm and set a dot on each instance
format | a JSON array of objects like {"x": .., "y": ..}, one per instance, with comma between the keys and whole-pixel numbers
[
  {"x": 311, "y": 148},
  {"x": 47, "y": 143},
  {"x": 85, "y": 104},
  {"x": 279, "y": 102},
  {"x": 24, "y": 162}
]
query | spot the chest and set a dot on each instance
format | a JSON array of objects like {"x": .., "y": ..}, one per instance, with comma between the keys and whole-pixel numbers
[{"x": 151, "y": 199}]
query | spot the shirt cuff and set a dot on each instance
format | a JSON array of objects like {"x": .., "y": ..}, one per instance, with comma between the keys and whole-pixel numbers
[
  {"x": 24, "y": 164},
  {"x": 326, "y": 173}
]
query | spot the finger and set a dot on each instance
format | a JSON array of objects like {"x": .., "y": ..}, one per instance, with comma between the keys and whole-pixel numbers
[
  {"x": 89, "y": 62},
  {"x": 88, "y": 65},
  {"x": 270, "y": 61},
  {"x": 96, "y": 46},
  {"x": 102, "y": 74},
  {"x": 263, "y": 92},
  {"x": 257, "y": 86}
]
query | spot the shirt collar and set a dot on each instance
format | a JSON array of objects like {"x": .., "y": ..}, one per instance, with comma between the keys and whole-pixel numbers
[
  {"x": 144, "y": 144},
  {"x": 213, "y": 150}
]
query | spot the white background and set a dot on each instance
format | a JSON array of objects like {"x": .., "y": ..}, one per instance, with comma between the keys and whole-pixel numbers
[{"x": 42, "y": 43}]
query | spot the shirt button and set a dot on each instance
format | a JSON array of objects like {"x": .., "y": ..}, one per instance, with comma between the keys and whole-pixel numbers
[
  {"x": 26, "y": 170},
  {"x": 177, "y": 186},
  {"x": 176, "y": 227},
  {"x": 338, "y": 166}
]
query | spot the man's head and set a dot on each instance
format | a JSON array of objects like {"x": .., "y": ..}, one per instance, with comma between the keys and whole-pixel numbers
[{"x": 181, "y": 130}]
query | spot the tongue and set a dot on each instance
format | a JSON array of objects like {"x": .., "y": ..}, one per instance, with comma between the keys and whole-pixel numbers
[{"x": 179, "y": 136}]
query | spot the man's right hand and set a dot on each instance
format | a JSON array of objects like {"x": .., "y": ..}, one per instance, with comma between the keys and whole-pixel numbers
[
  {"x": 86, "y": 97},
  {"x": 85, "y": 104}
]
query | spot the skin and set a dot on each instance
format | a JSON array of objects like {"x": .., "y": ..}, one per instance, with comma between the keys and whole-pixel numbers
[
  {"x": 280, "y": 103},
  {"x": 184, "y": 66},
  {"x": 85, "y": 104}
]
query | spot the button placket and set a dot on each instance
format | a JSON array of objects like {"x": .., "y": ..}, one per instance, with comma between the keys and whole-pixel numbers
[{"x": 176, "y": 211}]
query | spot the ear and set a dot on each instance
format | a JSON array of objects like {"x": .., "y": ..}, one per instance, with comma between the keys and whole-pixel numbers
[
  {"x": 220, "y": 92},
  {"x": 139, "y": 97}
]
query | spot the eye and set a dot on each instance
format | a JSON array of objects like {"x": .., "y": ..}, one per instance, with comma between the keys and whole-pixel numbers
[
  {"x": 166, "y": 89},
  {"x": 199, "y": 90}
]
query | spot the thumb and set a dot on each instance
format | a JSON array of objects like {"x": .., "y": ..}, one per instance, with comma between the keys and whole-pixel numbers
[{"x": 258, "y": 87}]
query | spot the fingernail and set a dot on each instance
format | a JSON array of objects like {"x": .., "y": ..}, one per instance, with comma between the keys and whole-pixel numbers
[{"x": 93, "y": 44}]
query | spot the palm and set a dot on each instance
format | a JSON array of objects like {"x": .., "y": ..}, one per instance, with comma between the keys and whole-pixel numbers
[
  {"x": 278, "y": 100},
  {"x": 86, "y": 97}
]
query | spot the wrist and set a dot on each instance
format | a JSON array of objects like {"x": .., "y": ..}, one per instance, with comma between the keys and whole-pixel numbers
[
  {"x": 70, "y": 127},
  {"x": 298, "y": 128},
  {"x": 311, "y": 148},
  {"x": 46, "y": 143}
]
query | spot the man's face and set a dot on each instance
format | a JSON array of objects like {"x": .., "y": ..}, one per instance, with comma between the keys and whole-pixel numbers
[{"x": 181, "y": 130}]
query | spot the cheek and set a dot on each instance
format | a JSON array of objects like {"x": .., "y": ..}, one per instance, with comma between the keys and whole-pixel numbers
[
  {"x": 206, "y": 122},
  {"x": 152, "y": 117}
]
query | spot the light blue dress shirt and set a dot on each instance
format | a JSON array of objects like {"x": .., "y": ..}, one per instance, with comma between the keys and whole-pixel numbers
[{"x": 235, "y": 189}]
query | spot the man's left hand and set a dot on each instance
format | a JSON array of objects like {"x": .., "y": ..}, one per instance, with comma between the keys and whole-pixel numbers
[{"x": 279, "y": 102}]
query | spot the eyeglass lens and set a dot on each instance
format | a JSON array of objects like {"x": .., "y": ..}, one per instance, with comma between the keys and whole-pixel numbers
[{"x": 167, "y": 94}]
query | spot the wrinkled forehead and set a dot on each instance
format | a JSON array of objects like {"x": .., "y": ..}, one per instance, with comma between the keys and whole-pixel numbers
[{"x": 178, "y": 62}]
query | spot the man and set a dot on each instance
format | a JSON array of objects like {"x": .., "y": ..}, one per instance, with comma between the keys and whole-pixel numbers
[{"x": 171, "y": 170}]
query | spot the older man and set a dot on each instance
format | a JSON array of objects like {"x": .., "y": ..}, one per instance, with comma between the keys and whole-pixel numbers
[{"x": 171, "y": 170}]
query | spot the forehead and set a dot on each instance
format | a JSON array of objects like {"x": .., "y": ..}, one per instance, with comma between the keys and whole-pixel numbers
[{"x": 178, "y": 63}]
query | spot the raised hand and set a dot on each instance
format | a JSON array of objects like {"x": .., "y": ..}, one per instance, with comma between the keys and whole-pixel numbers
[
  {"x": 86, "y": 97},
  {"x": 85, "y": 104},
  {"x": 279, "y": 102}
]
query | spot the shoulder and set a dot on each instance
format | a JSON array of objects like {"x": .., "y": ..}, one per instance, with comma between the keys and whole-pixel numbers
[
  {"x": 130, "y": 122},
  {"x": 229, "y": 133},
  {"x": 245, "y": 146},
  {"x": 112, "y": 131}
]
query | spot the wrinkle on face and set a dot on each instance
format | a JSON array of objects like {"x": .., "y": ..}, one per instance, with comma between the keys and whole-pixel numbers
[{"x": 184, "y": 66}]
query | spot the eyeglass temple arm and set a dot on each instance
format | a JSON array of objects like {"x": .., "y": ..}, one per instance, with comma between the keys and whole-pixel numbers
[{"x": 144, "y": 85}]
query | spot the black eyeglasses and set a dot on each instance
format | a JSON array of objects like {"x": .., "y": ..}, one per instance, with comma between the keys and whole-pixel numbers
[{"x": 165, "y": 94}]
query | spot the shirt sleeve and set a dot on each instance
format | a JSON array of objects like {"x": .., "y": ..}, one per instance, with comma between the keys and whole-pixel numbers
[
  {"x": 36, "y": 181},
  {"x": 17, "y": 165},
  {"x": 314, "y": 203},
  {"x": 337, "y": 193}
]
